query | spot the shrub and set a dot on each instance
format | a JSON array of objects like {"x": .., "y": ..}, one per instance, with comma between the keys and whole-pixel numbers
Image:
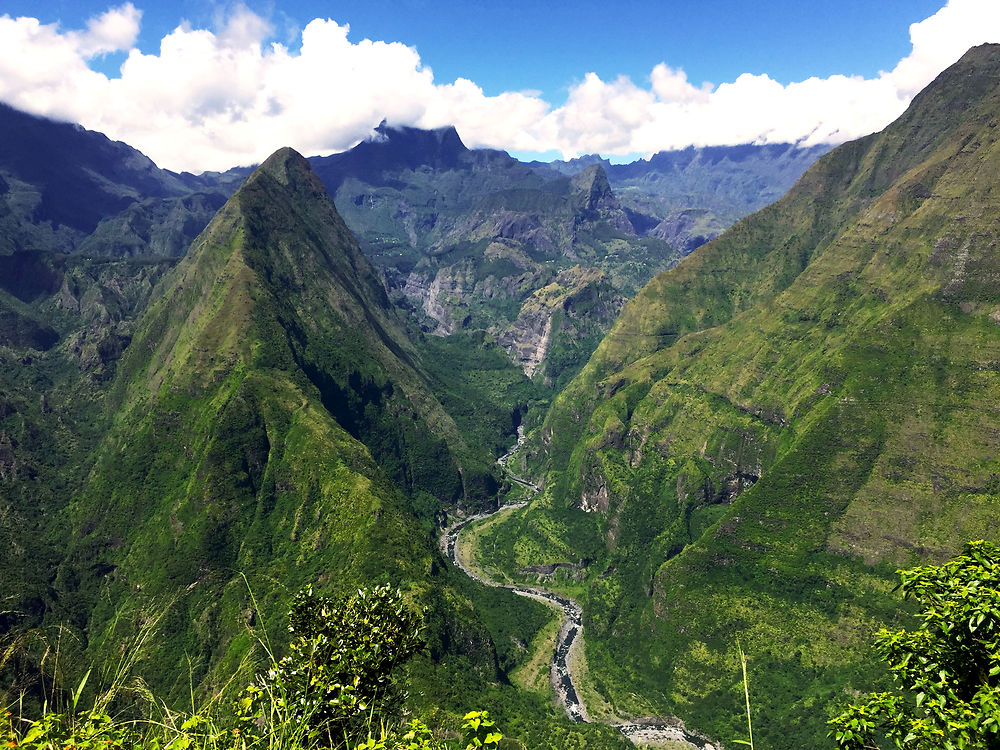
[
  {"x": 337, "y": 678},
  {"x": 948, "y": 668}
]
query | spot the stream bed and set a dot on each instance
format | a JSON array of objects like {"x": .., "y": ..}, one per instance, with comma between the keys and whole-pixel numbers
[{"x": 643, "y": 731}]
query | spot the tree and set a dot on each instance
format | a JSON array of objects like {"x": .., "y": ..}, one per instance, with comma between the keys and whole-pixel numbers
[{"x": 948, "y": 669}]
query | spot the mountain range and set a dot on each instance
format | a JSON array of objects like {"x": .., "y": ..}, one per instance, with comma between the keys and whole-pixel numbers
[{"x": 247, "y": 381}]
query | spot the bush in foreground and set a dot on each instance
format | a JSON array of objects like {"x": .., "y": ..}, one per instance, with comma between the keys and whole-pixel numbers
[
  {"x": 334, "y": 689},
  {"x": 948, "y": 669}
]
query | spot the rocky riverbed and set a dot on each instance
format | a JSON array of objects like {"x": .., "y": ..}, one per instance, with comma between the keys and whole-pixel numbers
[{"x": 650, "y": 731}]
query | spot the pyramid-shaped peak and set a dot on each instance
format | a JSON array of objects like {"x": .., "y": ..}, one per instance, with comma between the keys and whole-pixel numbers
[
  {"x": 592, "y": 178},
  {"x": 287, "y": 166},
  {"x": 593, "y": 183}
]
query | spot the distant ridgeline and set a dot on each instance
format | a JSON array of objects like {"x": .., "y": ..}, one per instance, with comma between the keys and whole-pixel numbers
[
  {"x": 541, "y": 255},
  {"x": 772, "y": 426}
]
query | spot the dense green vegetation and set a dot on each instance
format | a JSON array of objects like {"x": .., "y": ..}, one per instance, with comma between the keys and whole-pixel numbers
[
  {"x": 485, "y": 393},
  {"x": 769, "y": 429},
  {"x": 775, "y": 424},
  {"x": 256, "y": 424}
]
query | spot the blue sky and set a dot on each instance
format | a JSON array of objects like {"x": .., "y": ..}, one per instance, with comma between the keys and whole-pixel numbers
[
  {"x": 559, "y": 78},
  {"x": 548, "y": 46}
]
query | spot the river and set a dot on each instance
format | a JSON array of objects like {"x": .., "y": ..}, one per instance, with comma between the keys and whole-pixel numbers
[{"x": 644, "y": 731}]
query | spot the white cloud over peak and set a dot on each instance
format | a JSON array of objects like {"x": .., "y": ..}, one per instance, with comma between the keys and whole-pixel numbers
[{"x": 211, "y": 99}]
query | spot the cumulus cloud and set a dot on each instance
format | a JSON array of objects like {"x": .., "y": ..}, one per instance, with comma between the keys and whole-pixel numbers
[
  {"x": 215, "y": 98},
  {"x": 621, "y": 117},
  {"x": 114, "y": 30}
]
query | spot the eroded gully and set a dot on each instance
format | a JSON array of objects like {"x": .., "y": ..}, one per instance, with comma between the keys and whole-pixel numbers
[{"x": 649, "y": 731}]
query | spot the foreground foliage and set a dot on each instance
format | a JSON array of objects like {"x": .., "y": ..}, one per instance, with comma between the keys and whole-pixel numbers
[
  {"x": 334, "y": 689},
  {"x": 338, "y": 674},
  {"x": 948, "y": 668}
]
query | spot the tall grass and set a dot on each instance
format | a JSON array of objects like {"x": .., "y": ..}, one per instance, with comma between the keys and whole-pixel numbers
[
  {"x": 109, "y": 708},
  {"x": 746, "y": 695}
]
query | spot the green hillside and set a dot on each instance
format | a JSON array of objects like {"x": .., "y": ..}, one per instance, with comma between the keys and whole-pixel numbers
[
  {"x": 773, "y": 425},
  {"x": 269, "y": 411}
]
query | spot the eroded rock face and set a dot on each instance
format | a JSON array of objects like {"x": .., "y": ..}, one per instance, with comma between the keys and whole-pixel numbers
[
  {"x": 527, "y": 341},
  {"x": 432, "y": 296},
  {"x": 578, "y": 303},
  {"x": 466, "y": 238}
]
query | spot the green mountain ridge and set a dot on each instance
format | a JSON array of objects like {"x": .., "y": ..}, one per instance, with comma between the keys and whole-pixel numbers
[
  {"x": 230, "y": 450},
  {"x": 771, "y": 426},
  {"x": 251, "y": 419}
]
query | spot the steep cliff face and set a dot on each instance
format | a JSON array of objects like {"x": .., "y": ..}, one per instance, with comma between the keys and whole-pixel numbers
[
  {"x": 431, "y": 213},
  {"x": 485, "y": 266},
  {"x": 559, "y": 321},
  {"x": 795, "y": 408}
]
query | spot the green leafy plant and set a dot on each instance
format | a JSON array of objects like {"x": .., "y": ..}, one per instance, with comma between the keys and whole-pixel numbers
[
  {"x": 88, "y": 731},
  {"x": 948, "y": 668},
  {"x": 337, "y": 678},
  {"x": 480, "y": 731}
]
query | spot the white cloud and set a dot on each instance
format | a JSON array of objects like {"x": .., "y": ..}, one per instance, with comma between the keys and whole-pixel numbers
[
  {"x": 113, "y": 31},
  {"x": 211, "y": 99},
  {"x": 620, "y": 117}
]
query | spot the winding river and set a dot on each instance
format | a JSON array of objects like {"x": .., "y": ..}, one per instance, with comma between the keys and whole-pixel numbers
[{"x": 650, "y": 731}]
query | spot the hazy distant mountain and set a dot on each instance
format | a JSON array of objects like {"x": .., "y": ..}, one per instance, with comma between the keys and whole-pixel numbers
[
  {"x": 689, "y": 196},
  {"x": 64, "y": 188}
]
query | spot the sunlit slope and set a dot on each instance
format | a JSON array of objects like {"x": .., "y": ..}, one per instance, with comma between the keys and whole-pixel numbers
[
  {"x": 266, "y": 404},
  {"x": 797, "y": 407}
]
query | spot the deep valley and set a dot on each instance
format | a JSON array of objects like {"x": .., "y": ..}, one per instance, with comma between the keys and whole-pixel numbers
[{"x": 746, "y": 384}]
